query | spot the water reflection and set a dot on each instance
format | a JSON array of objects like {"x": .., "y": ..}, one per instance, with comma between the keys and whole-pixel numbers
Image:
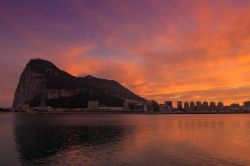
[
  {"x": 35, "y": 142},
  {"x": 132, "y": 139}
]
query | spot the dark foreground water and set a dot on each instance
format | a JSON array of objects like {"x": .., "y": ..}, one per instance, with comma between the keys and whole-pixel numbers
[{"x": 78, "y": 139}]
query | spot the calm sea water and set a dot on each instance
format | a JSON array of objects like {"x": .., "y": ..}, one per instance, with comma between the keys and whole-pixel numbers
[{"x": 79, "y": 139}]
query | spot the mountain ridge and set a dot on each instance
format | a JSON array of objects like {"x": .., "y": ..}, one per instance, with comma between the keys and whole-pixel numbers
[{"x": 43, "y": 84}]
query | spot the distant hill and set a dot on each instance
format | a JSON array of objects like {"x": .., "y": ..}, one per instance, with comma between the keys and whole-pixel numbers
[{"x": 43, "y": 84}]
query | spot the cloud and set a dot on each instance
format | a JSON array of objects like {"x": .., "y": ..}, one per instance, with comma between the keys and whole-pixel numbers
[
  {"x": 224, "y": 94},
  {"x": 158, "y": 49}
]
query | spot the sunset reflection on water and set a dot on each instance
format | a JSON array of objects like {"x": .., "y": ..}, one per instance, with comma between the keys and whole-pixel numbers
[{"x": 127, "y": 139}]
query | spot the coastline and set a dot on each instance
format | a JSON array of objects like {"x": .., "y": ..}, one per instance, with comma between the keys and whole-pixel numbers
[{"x": 116, "y": 112}]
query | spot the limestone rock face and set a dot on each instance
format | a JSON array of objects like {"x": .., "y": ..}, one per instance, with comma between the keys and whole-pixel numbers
[
  {"x": 31, "y": 85},
  {"x": 43, "y": 84}
]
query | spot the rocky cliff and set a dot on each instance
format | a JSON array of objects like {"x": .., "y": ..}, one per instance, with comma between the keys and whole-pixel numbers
[{"x": 43, "y": 84}]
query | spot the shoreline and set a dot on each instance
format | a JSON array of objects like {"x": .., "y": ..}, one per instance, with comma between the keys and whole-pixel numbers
[{"x": 116, "y": 112}]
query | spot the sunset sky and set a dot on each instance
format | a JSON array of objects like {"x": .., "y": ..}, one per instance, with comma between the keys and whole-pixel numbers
[{"x": 159, "y": 49}]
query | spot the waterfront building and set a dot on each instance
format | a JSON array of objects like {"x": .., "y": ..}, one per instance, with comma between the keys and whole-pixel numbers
[
  {"x": 134, "y": 105},
  {"x": 220, "y": 107},
  {"x": 179, "y": 105},
  {"x": 186, "y": 106},
  {"x": 235, "y": 107},
  {"x": 162, "y": 108},
  {"x": 93, "y": 105},
  {"x": 198, "y": 106},
  {"x": 168, "y": 105},
  {"x": 205, "y": 106},
  {"x": 212, "y": 106},
  {"x": 192, "y": 106},
  {"x": 246, "y": 104},
  {"x": 153, "y": 106},
  {"x": 103, "y": 109}
]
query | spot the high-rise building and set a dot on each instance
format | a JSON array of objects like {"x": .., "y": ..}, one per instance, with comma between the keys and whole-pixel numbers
[
  {"x": 198, "y": 106},
  {"x": 212, "y": 106},
  {"x": 220, "y": 106},
  {"x": 246, "y": 103},
  {"x": 192, "y": 106},
  {"x": 169, "y": 105},
  {"x": 205, "y": 106},
  {"x": 179, "y": 105},
  {"x": 186, "y": 106},
  {"x": 246, "y": 106}
]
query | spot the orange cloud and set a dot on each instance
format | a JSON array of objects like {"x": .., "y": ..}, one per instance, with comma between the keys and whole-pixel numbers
[
  {"x": 161, "y": 50},
  {"x": 214, "y": 54}
]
